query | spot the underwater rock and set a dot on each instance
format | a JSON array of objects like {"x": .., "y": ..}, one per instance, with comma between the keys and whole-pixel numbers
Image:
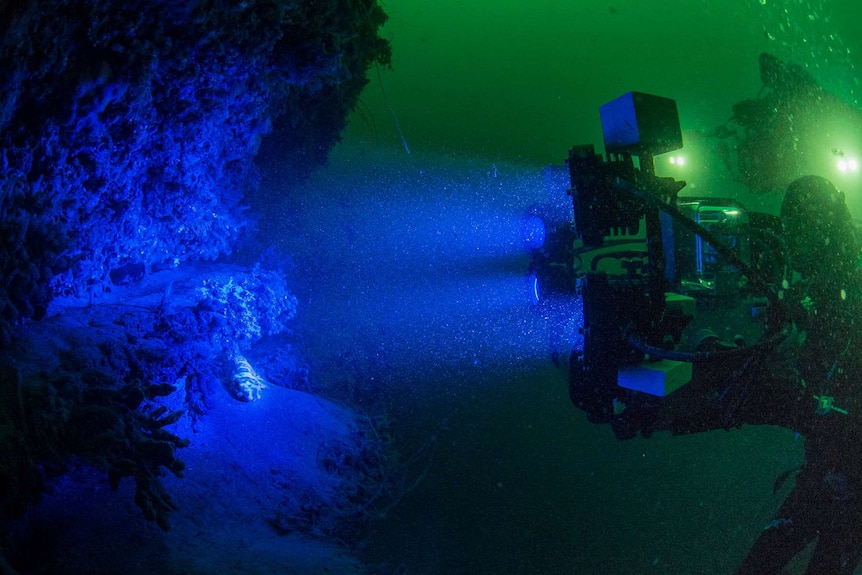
[
  {"x": 128, "y": 132},
  {"x": 127, "y": 273},
  {"x": 105, "y": 385},
  {"x": 97, "y": 403}
]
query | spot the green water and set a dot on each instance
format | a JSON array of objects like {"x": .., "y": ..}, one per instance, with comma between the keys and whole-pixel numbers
[
  {"x": 524, "y": 80},
  {"x": 415, "y": 307},
  {"x": 520, "y": 482}
]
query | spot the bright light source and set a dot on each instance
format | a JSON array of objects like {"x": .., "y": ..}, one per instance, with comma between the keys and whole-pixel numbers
[
  {"x": 677, "y": 160},
  {"x": 847, "y": 165},
  {"x": 532, "y": 232}
]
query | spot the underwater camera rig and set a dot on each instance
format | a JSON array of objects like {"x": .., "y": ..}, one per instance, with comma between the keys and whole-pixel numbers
[{"x": 643, "y": 259}]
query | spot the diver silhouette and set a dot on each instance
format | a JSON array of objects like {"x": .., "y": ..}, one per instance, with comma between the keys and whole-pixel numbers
[
  {"x": 809, "y": 383},
  {"x": 819, "y": 396}
]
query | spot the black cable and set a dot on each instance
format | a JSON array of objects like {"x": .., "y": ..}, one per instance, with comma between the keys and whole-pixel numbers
[
  {"x": 632, "y": 338},
  {"x": 655, "y": 201},
  {"x": 699, "y": 356}
]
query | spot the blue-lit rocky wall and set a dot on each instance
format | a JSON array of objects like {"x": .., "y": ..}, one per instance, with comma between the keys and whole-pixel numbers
[
  {"x": 128, "y": 130},
  {"x": 128, "y": 135}
]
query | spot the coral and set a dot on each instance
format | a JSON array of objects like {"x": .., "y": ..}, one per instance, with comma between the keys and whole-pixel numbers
[
  {"x": 246, "y": 384},
  {"x": 122, "y": 431},
  {"x": 240, "y": 308},
  {"x": 55, "y": 420},
  {"x": 101, "y": 386}
]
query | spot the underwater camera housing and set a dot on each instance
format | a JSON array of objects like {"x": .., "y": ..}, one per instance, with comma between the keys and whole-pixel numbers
[
  {"x": 642, "y": 259},
  {"x": 611, "y": 207}
]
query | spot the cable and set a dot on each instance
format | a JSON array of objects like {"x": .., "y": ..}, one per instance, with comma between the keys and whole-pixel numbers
[
  {"x": 655, "y": 201},
  {"x": 394, "y": 115},
  {"x": 699, "y": 356}
]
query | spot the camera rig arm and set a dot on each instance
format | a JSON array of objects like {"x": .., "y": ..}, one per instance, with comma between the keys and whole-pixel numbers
[{"x": 631, "y": 365}]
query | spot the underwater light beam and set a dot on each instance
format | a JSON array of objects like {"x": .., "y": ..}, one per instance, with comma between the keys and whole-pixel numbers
[{"x": 447, "y": 281}]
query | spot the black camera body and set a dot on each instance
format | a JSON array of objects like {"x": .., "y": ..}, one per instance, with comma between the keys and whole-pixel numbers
[{"x": 642, "y": 260}]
